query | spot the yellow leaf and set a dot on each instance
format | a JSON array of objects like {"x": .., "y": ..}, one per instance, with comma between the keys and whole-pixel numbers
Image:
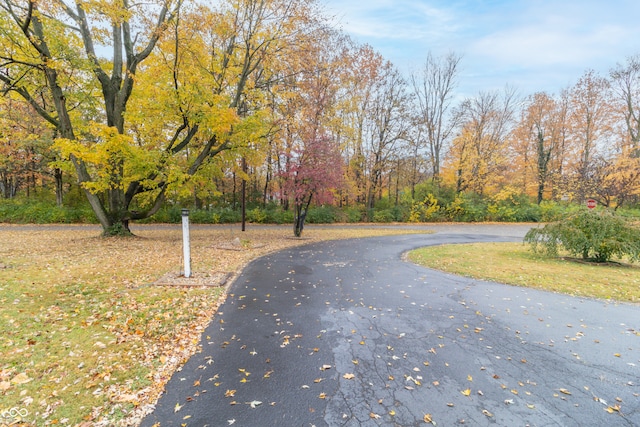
[
  {"x": 21, "y": 378},
  {"x": 348, "y": 376},
  {"x": 427, "y": 418},
  {"x": 392, "y": 412},
  {"x": 469, "y": 378},
  {"x": 177, "y": 407},
  {"x": 564, "y": 391},
  {"x": 514, "y": 391},
  {"x": 612, "y": 409},
  {"x": 466, "y": 392},
  {"x": 229, "y": 393},
  {"x": 617, "y": 355},
  {"x": 354, "y": 361},
  {"x": 323, "y": 395}
]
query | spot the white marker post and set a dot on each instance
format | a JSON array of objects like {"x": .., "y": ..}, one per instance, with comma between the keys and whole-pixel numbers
[{"x": 186, "y": 245}]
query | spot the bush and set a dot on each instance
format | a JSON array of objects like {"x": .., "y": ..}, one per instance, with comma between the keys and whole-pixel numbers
[
  {"x": 467, "y": 207},
  {"x": 321, "y": 215},
  {"x": 353, "y": 214},
  {"x": 551, "y": 211},
  {"x": 277, "y": 215},
  {"x": 426, "y": 210},
  {"x": 384, "y": 215},
  {"x": 593, "y": 235},
  {"x": 257, "y": 216},
  {"x": 509, "y": 205},
  {"x": 166, "y": 215},
  {"x": 227, "y": 215},
  {"x": 202, "y": 216},
  {"x": 444, "y": 194},
  {"x": 43, "y": 212}
]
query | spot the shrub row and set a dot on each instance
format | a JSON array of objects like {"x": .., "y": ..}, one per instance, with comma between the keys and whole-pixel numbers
[
  {"x": 42, "y": 212},
  {"x": 429, "y": 204}
]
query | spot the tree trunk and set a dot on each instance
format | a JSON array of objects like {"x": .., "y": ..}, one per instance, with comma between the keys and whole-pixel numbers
[
  {"x": 57, "y": 173},
  {"x": 300, "y": 215}
]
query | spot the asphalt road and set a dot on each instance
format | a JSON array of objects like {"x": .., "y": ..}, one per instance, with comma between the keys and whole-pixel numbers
[{"x": 346, "y": 333}]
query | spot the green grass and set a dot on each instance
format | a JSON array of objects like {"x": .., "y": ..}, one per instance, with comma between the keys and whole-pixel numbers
[{"x": 516, "y": 264}]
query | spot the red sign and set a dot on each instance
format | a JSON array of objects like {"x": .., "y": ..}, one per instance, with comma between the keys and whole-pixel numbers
[{"x": 591, "y": 203}]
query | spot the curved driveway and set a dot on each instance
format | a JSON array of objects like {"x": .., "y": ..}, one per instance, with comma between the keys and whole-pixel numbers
[{"x": 346, "y": 333}]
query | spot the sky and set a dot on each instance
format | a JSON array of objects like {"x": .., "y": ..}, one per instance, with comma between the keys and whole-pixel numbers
[{"x": 530, "y": 45}]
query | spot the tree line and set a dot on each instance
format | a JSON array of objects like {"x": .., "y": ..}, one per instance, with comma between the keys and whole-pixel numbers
[{"x": 172, "y": 102}]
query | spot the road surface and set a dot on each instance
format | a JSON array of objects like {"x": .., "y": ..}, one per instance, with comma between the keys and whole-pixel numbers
[{"x": 347, "y": 333}]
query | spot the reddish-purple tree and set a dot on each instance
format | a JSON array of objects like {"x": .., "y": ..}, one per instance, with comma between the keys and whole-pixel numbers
[{"x": 313, "y": 171}]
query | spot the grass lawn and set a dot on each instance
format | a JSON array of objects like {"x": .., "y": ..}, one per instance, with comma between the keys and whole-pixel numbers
[
  {"x": 516, "y": 264},
  {"x": 86, "y": 336}
]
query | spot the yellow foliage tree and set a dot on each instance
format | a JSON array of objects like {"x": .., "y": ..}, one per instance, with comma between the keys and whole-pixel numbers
[{"x": 145, "y": 95}]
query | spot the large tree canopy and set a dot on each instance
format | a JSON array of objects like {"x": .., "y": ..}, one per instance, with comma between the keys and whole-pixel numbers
[{"x": 144, "y": 95}]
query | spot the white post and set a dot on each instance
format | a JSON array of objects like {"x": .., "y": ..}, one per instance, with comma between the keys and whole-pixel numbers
[{"x": 186, "y": 245}]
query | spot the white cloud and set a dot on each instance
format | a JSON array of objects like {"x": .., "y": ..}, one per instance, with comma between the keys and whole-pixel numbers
[
  {"x": 407, "y": 20},
  {"x": 539, "y": 45}
]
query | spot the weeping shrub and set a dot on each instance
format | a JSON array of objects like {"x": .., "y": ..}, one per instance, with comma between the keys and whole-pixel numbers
[{"x": 593, "y": 235}]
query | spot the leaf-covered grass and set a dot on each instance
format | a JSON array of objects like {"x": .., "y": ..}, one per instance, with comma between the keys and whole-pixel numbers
[
  {"x": 86, "y": 338},
  {"x": 516, "y": 264}
]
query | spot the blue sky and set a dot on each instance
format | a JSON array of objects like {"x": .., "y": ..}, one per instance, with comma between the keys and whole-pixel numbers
[{"x": 532, "y": 45}]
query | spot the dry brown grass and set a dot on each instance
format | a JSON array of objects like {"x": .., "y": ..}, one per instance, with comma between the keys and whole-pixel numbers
[{"x": 87, "y": 336}]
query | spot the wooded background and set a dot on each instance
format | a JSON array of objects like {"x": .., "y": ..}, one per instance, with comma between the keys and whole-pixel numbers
[{"x": 134, "y": 108}]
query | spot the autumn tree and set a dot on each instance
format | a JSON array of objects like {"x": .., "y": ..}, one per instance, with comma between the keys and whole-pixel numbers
[
  {"x": 26, "y": 157},
  {"x": 590, "y": 119},
  {"x": 363, "y": 68},
  {"x": 625, "y": 83},
  {"x": 434, "y": 87},
  {"x": 539, "y": 139},
  {"x": 161, "y": 121},
  {"x": 56, "y": 43},
  {"x": 623, "y": 181},
  {"x": 311, "y": 162},
  {"x": 418, "y": 163},
  {"x": 479, "y": 152},
  {"x": 386, "y": 126}
]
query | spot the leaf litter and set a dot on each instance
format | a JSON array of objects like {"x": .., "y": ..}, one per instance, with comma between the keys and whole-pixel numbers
[{"x": 89, "y": 332}]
